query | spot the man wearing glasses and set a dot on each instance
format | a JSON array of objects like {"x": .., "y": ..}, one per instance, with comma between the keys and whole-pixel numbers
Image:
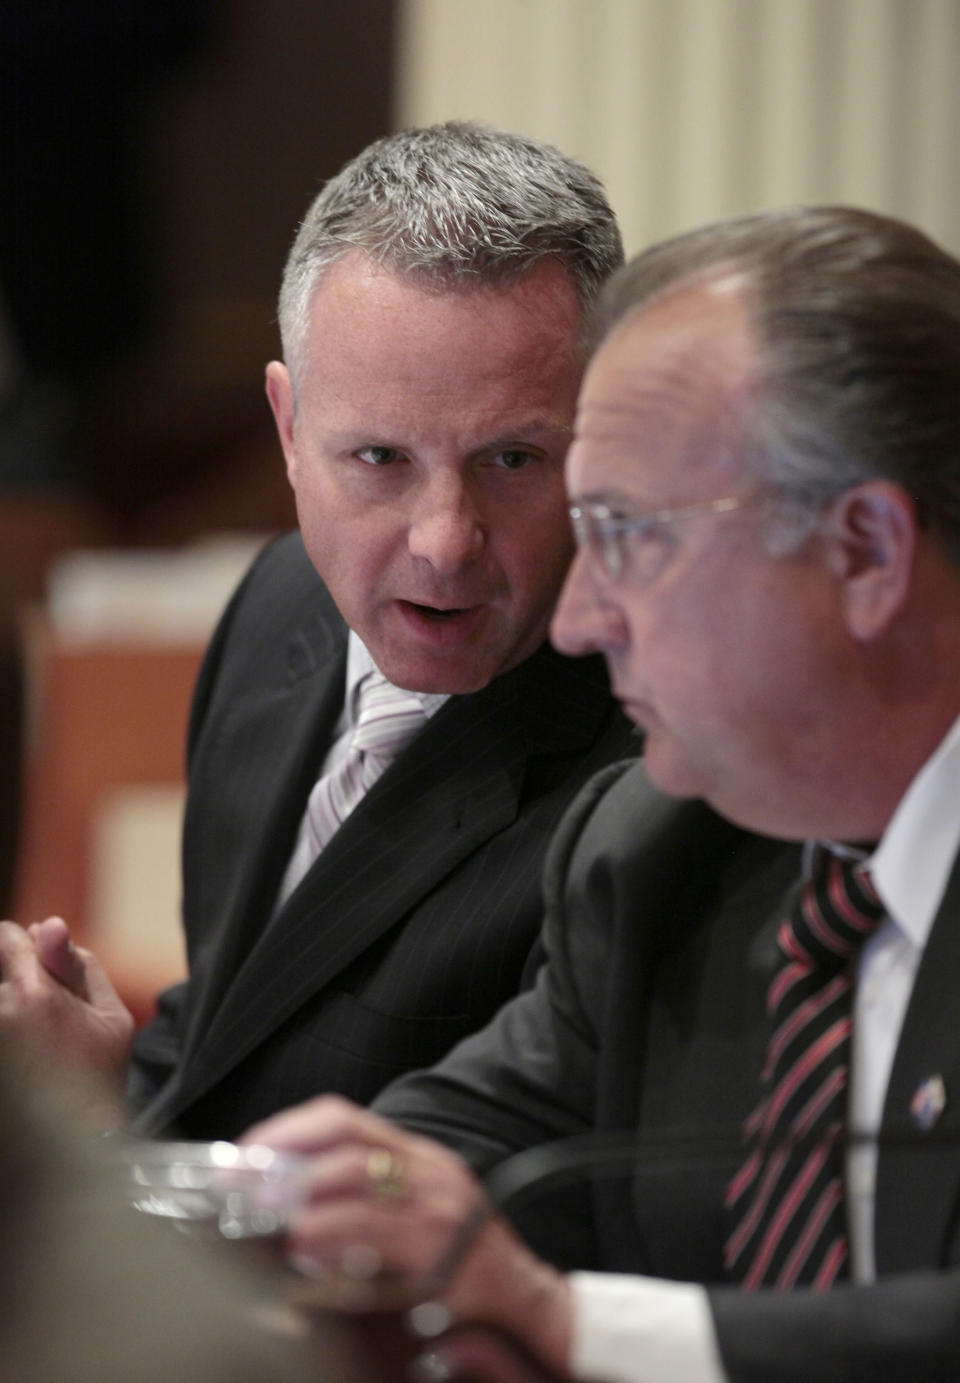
[{"x": 754, "y": 939}]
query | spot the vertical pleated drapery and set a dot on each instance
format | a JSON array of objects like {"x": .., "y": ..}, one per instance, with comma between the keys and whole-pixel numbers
[{"x": 696, "y": 109}]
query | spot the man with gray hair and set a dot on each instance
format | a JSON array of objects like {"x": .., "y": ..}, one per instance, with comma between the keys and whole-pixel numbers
[
  {"x": 762, "y": 1028},
  {"x": 382, "y": 739}
]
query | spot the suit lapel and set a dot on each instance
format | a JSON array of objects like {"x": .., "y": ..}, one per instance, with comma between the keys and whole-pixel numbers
[
  {"x": 459, "y": 783},
  {"x": 918, "y": 1178},
  {"x": 261, "y": 778}
]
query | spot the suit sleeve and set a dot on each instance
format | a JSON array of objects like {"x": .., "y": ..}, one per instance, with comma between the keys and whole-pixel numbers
[
  {"x": 528, "y": 1078},
  {"x": 899, "y": 1330}
]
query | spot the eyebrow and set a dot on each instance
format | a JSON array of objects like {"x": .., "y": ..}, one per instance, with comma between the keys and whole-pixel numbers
[
  {"x": 533, "y": 432},
  {"x": 528, "y": 431}
]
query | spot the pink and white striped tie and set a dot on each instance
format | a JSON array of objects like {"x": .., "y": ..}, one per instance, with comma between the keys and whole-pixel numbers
[
  {"x": 388, "y": 719},
  {"x": 787, "y": 1216}
]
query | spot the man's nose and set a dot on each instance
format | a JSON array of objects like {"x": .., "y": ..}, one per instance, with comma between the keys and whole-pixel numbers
[
  {"x": 584, "y": 620},
  {"x": 446, "y": 529}
]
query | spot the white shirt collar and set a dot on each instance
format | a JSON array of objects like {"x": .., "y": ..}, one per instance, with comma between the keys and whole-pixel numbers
[
  {"x": 911, "y": 865},
  {"x": 360, "y": 664}
]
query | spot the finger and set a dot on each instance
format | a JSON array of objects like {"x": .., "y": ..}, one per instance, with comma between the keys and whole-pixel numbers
[
  {"x": 413, "y": 1228},
  {"x": 57, "y": 953},
  {"x": 95, "y": 983},
  {"x": 17, "y": 953},
  {"x": 318, "y": 1124},
  {"x": 336, "y": 1173},
  {"x": 300, "y": 1128},
  {"x": 363, "y": 1240},
  {"x": 365, "y": 1172}
]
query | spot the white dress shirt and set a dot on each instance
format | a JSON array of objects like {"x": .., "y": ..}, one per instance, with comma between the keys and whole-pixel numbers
[{"x": 632, "y": 1329}]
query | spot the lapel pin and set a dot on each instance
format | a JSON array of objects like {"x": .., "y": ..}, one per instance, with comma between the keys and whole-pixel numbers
[{"x": 928, "y": 1103}]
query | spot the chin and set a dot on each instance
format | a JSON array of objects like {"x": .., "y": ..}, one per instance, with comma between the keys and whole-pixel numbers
[
  {"x": 420, "y": 675},
  {"x": 671, "y": 775}
]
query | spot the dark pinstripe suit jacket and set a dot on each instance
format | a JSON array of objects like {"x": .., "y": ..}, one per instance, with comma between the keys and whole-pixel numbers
[{"x": 420, "y": 918}]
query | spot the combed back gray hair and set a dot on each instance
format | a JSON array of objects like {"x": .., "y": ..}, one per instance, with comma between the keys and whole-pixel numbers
[
  {"x": 857, "y": 320},
  {"x": 456, "y": 204}
]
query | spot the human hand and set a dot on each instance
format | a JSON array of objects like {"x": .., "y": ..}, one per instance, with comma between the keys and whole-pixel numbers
[
  {"x": 57, "y": 1001},
  {"x": 383, "y": 1229}
]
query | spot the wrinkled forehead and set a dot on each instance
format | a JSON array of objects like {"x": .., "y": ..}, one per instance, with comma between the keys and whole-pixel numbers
[{"x": 669, "y": 387}]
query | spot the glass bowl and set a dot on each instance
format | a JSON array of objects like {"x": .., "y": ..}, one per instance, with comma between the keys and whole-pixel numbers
[{"x": 220, "y": 1188}]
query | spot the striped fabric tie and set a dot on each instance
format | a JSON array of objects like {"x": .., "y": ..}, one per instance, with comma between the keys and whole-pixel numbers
[
  {"x": 388, "y": 719},
  {"x": 785, "y": 1205}
]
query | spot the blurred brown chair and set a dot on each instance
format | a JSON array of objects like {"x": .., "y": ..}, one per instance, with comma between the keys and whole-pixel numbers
[{"x": 105, "y": 717}]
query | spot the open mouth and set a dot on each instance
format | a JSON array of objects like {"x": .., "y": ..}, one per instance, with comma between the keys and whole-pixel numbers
[
  {"x": 454, "y": 624},
  {"x": 431, "y": 611}
]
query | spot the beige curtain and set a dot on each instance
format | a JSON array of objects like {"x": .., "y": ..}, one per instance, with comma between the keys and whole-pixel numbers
[{"x": 694, "y": 109}]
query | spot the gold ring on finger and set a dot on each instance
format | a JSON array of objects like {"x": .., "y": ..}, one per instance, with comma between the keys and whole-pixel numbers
[{"x": 386, "y": 1178}]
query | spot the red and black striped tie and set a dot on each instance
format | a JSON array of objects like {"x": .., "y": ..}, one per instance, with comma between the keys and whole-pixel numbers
[{"x": 786, "y": 1202}]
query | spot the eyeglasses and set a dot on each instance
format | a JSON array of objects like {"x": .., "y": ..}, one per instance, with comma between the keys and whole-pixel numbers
[{"x": 620, "y": 547}]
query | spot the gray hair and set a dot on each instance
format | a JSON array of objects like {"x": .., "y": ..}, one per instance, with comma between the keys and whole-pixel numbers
[
  {"x": 456, "y": 204},
  {"x": 857, "y": 320}
]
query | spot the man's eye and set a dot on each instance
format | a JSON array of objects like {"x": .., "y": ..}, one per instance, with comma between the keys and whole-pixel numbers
[
  {"x": 646, "y": 549},
  {"x": 377, "y": 456},
  {"x": 649, "y": 535},
  {"x": 513, "y": 460}
]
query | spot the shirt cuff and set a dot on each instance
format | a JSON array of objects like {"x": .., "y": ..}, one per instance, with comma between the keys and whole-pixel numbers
[{"x": 630, "y": 1329}]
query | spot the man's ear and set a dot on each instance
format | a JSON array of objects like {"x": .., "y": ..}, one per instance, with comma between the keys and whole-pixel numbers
[
  {"x": 280, "y": 394},
  {"x": 871, "y": 537}
]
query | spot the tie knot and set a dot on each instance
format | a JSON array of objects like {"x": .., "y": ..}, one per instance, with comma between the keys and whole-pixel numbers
[
  {"x": 835, "y": 914},
  {"x": 387, "y": 718}
]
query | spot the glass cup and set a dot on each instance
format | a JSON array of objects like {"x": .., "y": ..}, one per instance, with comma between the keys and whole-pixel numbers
[{"x": 214, "y": 1190}]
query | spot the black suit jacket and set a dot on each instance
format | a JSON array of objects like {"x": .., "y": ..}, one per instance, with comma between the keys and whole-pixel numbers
[
  {"x": 421, "y": 916},
  {"x": 648, "y": 1022}
]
